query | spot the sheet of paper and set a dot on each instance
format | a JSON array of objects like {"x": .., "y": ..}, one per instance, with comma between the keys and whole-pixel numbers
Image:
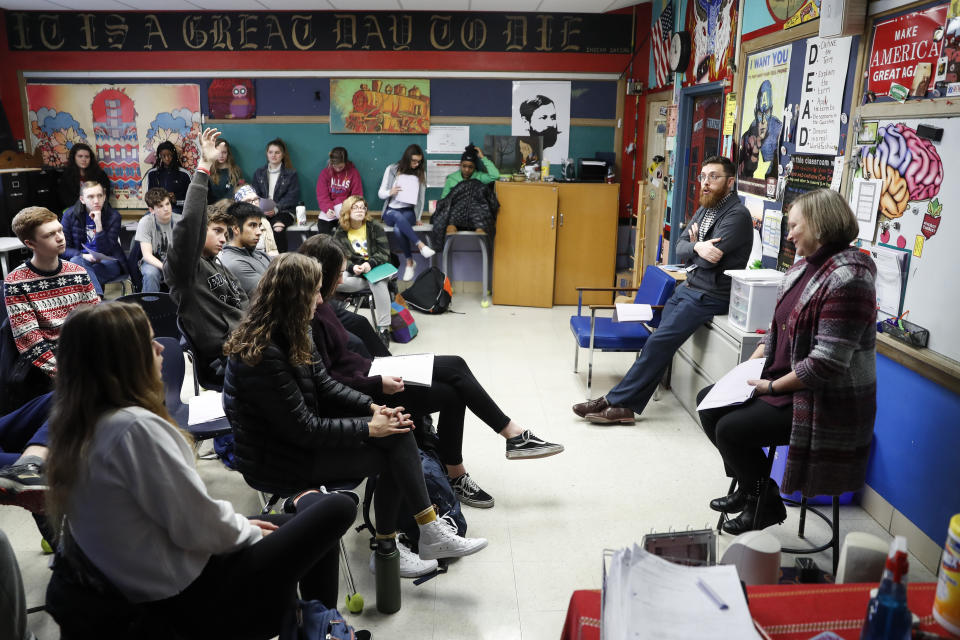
[
  {"x": 448, "y": 139},
  {"x": 668, "y": 603},
  {"x": 632, "y": 313},
  {"x": 837, "y": 173},
  {"x": 409, "y": 188},
  {"x": 415, "y": 369},
  {"x": 206, "y": 407},
  {"x": 732, "y": 388},
  {"x": 99, "y": 257},
  {"x": 865, "y": 201},
  {"x": 891, "y": 276},
  {"x": 438, "y": 170}
]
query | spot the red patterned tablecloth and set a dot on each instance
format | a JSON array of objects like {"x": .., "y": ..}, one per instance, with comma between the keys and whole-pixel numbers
[{"x": 785, "y": 612}]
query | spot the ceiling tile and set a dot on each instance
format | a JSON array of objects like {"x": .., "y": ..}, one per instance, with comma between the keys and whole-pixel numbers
[
  {"x": 293, "y": 5},
  {"x": 365, "y": 5},
  {"x": 573, "y": 6},
  {"x": 31, "y": 5},
  {"x": 168, "y": 5},
  {"x": 91, "y": 5},
  {"x": 435, "y": 5},
  {"x": 512, "y": 6}
]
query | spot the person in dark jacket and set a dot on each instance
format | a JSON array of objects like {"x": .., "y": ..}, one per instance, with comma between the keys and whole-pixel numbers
[
  {"x": 453, "y": 390},
  {"x": 82, "y": 166},
  {"x": 296, "y": 427},
  {"x": 92, "y": 232},
  {"x": 817, "y": 391},
  {"x": 278, "y": 181},
  {"x": 719, "y": 238},
  {"x": 168, "y": 174}
]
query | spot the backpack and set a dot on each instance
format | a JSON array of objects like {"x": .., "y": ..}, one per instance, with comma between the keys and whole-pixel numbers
[
  {"x": 430, "y": 292},
  {"x": 402, "y": 326},
  {"x": 313, "y": 621}
]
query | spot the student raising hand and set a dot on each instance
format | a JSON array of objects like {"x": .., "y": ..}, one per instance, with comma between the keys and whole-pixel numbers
[{"x": 208, "y": 148}]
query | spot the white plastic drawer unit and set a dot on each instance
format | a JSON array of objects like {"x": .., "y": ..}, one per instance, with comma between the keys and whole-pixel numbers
[{"x": 753, "y": 297}]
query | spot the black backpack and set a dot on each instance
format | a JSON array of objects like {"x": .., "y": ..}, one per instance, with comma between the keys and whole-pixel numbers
[{"x": 430, "y": 292}]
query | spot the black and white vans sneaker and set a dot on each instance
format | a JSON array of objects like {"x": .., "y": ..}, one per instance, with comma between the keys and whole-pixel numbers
[
  {"x": 470, "y": 493},
  {"x": 527, "y": 445}
]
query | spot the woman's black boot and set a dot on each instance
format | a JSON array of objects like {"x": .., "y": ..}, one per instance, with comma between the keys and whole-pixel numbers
[
  {"x": 732, "y": 503},
  {"x": 771, "y": 511}
]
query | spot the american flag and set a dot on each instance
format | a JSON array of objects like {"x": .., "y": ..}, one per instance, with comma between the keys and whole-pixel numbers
[{"x": 662, "y": 29}]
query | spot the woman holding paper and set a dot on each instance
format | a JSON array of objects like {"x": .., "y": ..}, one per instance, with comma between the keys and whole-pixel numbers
[
  {"x": 365, "y": 244},
  {"x": 817, "y": 390},
  {"x": 454, "y": 388},
  {"x": 297, "y": 428},
  {"x": 403, "y": 191}
]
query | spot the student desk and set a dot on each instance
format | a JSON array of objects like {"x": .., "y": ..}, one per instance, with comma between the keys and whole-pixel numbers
[{"x": 6, "y": 246}]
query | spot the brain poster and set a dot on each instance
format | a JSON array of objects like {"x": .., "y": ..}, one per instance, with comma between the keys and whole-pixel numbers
[{"x": 123, "y": 124}]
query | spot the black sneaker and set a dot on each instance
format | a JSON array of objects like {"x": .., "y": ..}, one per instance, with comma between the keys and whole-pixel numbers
[
  {"x": 470, "y": 493},
  {"x": 384, "y": 335},
  {"x": 527, "y": 445},
  {"x": 23, "y": 485}
]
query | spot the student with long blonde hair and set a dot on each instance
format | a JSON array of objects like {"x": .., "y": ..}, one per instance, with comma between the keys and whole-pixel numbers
[
  {"x": 296, "y": 427},
  {"x": 225, "y": 176},
  {"x": 123, "y": 476}
]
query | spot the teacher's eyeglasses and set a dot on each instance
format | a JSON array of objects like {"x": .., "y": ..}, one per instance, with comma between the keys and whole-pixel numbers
[{"x": 712, "y": 177}]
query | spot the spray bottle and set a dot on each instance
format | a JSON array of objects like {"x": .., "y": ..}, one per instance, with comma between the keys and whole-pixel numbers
[{"x": 888, "y": 617}]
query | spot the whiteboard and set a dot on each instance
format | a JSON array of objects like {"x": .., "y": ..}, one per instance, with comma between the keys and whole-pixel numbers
[{"x": 920, "y": 176}]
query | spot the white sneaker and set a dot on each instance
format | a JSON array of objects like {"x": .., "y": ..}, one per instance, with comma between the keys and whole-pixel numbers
[
  {"x": 411, "y": 565},
  {"x": 427, "y": 252},
  {"x": 408, "y": 272},
  {"x": 439, "y": 541}
]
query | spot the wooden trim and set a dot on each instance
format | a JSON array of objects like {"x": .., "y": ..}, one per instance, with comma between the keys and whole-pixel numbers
[
  {"x": 926, "y": 108},
  {"x": 618, "y": 134},
  {"x": 439, "y": 120},
  {"x": 929, "y": 364},
  {"x": 24, "y": 111}
]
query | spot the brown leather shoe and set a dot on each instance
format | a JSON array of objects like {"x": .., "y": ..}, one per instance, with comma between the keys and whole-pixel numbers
[
  {"x": 612, "y": 415},
  {"x": 590, "y": 406}
]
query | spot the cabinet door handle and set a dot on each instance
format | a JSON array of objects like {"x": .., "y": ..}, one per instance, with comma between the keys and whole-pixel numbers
[
  {"x": 561, "y": 219},
  {"x": 551, "y": 221}
]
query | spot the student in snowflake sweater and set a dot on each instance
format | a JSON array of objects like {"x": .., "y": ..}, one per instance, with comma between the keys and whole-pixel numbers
[{"x": 39, "y": 295}]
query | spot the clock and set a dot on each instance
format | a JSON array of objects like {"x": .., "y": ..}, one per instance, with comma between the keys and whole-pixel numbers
[{"x": 679, "y": 54}]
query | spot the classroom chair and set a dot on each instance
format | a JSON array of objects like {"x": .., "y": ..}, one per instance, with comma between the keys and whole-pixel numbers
[
  {"x": 483, "y": 240},
  {"x": 172, "y": 372},
  {"x": 160, "y": 309},
  {"x": 604, "y": 334},
  {"x": 833, "y": 543}
]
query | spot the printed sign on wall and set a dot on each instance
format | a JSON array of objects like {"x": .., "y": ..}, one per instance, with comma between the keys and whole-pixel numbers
[
  {"x": 764, "y": 94},
  {"x": 900, "y": 45},
  {"x": 824, "y": 77}
]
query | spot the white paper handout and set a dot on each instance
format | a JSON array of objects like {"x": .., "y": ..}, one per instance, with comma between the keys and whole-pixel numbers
[
  {"x": 409, "y": 188},
  {"x": 99, "y": 257},
  {"x": 206, "y": 407},
  {"x": 415, "y": 369},
  {"x": 891, "y": 270},
  {"x": 438, "y": 170},
  {"x": 632, "y": 312},
  {"x": 865, "y": 201},
  {"x": 448, "y": 139},
  {"x": 732, "y": 388}
]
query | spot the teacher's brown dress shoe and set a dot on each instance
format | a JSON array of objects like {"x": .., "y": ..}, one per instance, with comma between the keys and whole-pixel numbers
[
  {"x": 612, "y": 415},
  {"x": 590, "y": 406}
]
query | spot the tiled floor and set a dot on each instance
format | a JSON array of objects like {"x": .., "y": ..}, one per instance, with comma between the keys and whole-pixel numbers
[{"x": 553, "y": 517}]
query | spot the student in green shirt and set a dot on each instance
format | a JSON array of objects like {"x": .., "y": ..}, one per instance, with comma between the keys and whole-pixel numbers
[{"x": 473, "y": 165}]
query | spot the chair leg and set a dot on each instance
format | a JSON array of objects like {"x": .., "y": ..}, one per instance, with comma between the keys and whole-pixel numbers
[
  {"x": 803, "y": 515},
  {"x": 486, "y": 270},
  {"x": 576, "y": 354},
  {"x": 347, "y": 574},
  {"x": 590, "y": 374},
  {"x": 723, "y": 516},
  {"x": 836, "y": 533}
]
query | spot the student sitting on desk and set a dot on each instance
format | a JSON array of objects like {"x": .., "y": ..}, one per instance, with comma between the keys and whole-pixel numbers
[
  {"x": 817, "y": 391},
  {"x": 365, "y": 244},
  {"x": 466, "y": 202},
  {"x": 155, "y": 233},
  {"x": 278, "y": 180},
  {"x": 82, "y": 166},
  {"x": 91, "y": 226},
  {"x": 454, "y": 388},
  {"x": 338, "y": 181},
  {"x": 210, "y": 300},
  {"x": 403, "y": 215},
  {"x": 168, "y": 174},
  {"x": 719, "y": 238}
]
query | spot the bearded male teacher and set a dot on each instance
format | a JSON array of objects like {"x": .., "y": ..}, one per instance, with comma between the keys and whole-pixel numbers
[{"x": 718, "y": 238}]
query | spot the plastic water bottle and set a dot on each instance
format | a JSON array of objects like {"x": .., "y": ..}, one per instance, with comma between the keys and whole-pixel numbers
[
  {"x": 387, "y": 567},
  {"x": 301, "y": 213},
  {"x": 888, "y": 617}
]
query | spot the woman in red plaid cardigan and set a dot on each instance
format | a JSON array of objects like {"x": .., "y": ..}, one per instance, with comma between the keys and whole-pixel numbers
[{"x": 817, "y": 391}]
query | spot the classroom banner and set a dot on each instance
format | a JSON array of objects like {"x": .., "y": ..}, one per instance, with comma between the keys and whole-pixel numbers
[
  {"x": 379, "y": 106},
  {"x": 903, "y": 44},
  {"x": 824, "y": 78},
  {"x": 764, "y": 96},
  {"x": 593, "y": 33},
  {"x": 124, "y": 124}
]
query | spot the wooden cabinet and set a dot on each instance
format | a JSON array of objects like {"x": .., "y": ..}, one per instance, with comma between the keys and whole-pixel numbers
[{"x": 551, "y": 238}]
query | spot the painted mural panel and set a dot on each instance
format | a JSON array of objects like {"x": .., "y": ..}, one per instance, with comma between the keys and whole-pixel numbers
[
  {"x": 123, "y": 123},
  {"x": 390, "y": 105}
]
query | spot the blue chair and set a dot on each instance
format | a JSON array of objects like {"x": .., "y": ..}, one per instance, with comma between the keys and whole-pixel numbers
[
  {"x": 203, "y": 376},
  {"x": 161, "y": 310},
  {"x": 173, "y": 373},
  {"x": 592, "y": 332}
]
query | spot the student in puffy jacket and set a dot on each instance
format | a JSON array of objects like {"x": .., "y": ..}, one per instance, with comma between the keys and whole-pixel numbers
[
  {"x": 168, "y": 174},
  {"x": 337, "y": 182},
  {"x": 278, "y": 181}
]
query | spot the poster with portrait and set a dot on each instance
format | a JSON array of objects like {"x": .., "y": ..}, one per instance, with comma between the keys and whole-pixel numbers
[
  {"x": 713, "y": 24},
  {"x": 543, "y": 109},
  {"x": 764, "y": 96},
  {"x": 122, "y": 123}
]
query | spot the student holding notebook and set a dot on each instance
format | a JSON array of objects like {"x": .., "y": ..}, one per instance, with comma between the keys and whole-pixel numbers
[
  {"x": 402, "y": 209},
  {"x": 365, "y": 244}
]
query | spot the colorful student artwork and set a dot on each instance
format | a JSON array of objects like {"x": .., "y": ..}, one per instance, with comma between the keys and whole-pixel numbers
[
  {"x": 123, "y": 124},
  {"x": 909, "y": 166},
  {"x": 765, "y": 93},
  {"x": 379, "y": 106},
  {"x": 713, "y": 24},
  {"x": 232, "y": 98}
]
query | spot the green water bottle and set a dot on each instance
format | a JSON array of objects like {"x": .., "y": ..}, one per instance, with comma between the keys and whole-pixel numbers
[{"x": 387, "y": 568}]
